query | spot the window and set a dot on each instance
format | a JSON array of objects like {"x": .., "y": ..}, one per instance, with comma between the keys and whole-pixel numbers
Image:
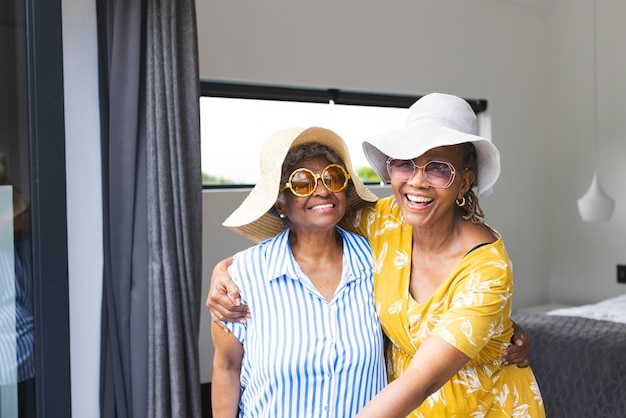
[{"x": 236, "y": 119}]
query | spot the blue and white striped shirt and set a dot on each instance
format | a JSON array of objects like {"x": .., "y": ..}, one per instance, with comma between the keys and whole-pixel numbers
[
  {"x": 17, "y": 339},
  {"x": 305, "y": 356}
]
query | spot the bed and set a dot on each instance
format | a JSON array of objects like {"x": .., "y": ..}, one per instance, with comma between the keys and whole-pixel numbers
[{"x": 578, "y": 356}]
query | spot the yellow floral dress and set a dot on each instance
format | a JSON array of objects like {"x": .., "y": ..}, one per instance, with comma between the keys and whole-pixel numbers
[{"x": 470, "y": 311}]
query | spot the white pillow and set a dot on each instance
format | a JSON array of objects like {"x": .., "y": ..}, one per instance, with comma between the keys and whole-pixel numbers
[{"x": 613, "y": 309}]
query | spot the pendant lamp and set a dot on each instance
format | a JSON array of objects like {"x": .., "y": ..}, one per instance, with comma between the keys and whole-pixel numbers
[{"x": 595, "y": 205}]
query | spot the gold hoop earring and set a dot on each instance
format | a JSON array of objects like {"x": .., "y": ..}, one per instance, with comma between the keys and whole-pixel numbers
[{"x": 460, "y": 203}]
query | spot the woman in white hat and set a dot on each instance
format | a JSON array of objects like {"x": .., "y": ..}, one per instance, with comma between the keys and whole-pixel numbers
[
  {"x": 314, "y": 346},
  {"x": 442, "y": 278}
]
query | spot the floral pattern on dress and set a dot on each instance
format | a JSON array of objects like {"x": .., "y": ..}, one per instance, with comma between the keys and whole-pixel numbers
[{"x": 470, "y": 311}]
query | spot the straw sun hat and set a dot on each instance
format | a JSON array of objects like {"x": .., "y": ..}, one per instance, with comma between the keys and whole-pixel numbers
[
  {"x": 433, "y": 121},
  {"x": 252, "y": 219}
]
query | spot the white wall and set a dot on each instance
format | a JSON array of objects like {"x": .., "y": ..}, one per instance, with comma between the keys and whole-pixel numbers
[
  {"x": 532, "y": 60},
  {"x": 84, "y": 202},
  {"x": 584, "y": 255}
]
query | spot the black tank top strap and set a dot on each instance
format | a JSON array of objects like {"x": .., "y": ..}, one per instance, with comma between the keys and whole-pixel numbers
[{"x": 477, "y": 247}]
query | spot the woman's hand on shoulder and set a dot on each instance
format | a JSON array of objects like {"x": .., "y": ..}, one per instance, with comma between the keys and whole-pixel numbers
[{"x": 223, "y": 300}]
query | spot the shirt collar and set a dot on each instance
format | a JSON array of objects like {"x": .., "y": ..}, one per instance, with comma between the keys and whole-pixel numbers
[{"x": 285, "y": 264}]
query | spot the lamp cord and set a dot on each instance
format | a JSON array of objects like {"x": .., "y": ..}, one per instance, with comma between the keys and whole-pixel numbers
[{"x": 595, "y": 87}]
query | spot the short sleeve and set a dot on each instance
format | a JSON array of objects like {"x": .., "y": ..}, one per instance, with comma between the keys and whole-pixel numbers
[
  {"x": 239, "y": 330},
  {"x": 478, "y": 308}
]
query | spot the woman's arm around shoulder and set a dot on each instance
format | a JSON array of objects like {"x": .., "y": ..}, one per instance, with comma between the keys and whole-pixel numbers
[{"x": 223, "y": 300}]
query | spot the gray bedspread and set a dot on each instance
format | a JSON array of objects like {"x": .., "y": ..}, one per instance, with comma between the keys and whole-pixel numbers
[{"x": 579, "y": 363}]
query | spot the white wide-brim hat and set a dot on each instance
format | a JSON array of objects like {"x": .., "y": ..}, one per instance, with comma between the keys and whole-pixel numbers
[
  {"x": 252, "y": 219},
  {"x": 433, "y": 121}
]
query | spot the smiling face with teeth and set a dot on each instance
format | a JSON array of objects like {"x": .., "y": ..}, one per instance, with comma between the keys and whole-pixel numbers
[
  {"x": 319, "y": 212},
  {"x": 424, "y": 205}
]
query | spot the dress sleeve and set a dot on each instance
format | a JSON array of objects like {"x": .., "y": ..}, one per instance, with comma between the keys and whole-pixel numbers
[{"x": 478, "y": 306}]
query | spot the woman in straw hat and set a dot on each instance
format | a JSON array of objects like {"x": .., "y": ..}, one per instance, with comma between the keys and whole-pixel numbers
[
  {"x": 442, "y": 278},
  {"x": 314, "y": 346}
]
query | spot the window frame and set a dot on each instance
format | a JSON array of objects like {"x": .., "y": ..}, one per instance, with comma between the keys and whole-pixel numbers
[
  {"x": 252, "y": 91},
  {"x": 300, "y": 94}
]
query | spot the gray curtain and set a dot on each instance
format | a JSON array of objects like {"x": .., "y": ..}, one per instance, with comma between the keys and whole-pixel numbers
[
  {"x": 151, "y": 206},
  {"x": 174, "y": 196}
]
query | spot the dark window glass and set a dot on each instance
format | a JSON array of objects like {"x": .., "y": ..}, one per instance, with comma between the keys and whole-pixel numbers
[{"x": 17, "y": 351}]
